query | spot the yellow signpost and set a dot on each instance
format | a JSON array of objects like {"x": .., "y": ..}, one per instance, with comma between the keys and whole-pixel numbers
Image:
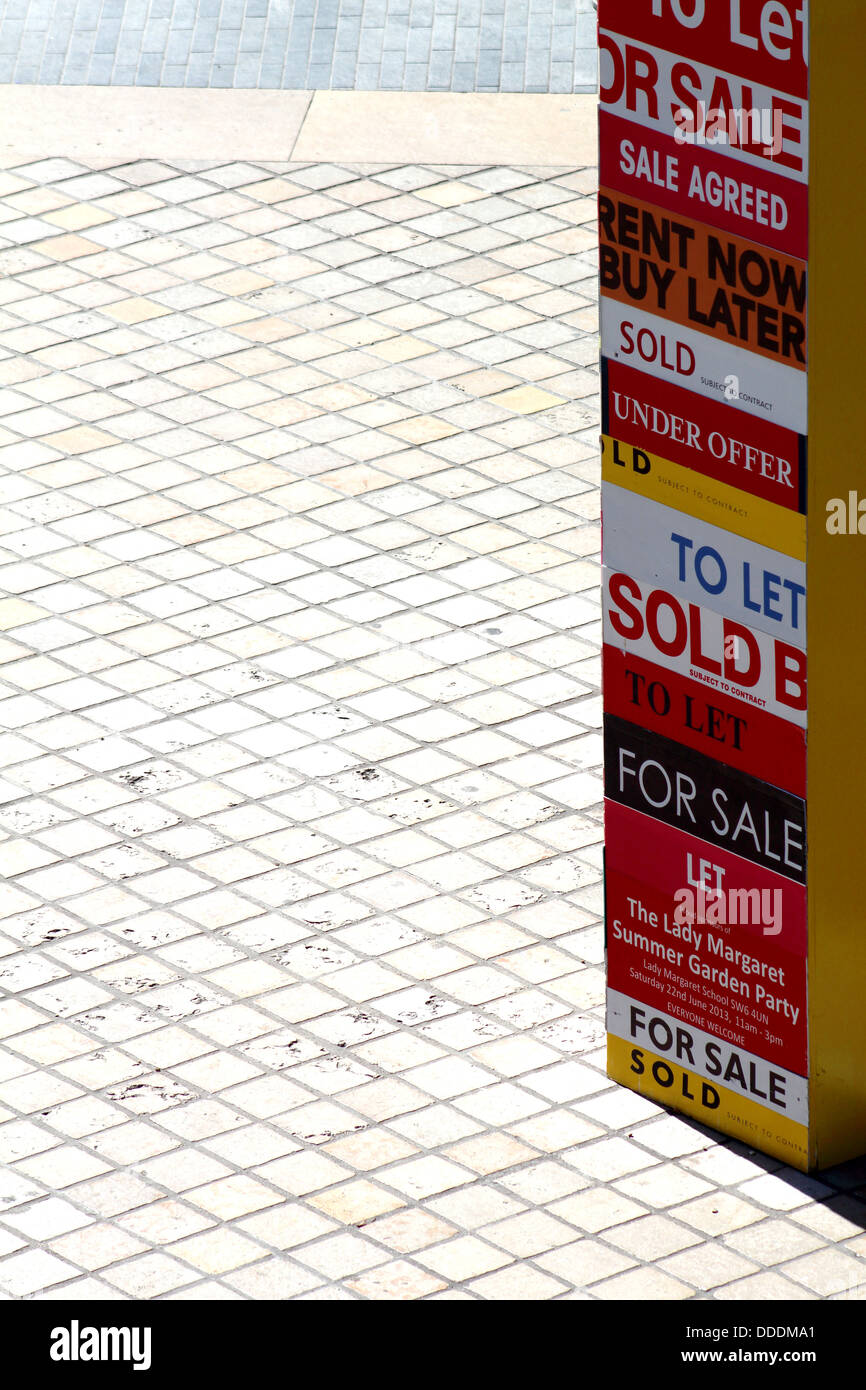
[{"x": 836, "y": 758}]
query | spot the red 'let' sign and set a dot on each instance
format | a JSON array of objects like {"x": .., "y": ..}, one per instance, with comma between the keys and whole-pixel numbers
[{"x": 764, "y": 40}]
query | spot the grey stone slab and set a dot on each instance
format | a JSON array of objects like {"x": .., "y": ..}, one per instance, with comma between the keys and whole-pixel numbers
[
  {"x": 540, "y": 37},
  {"x": 343, "y": 70},
  {"x": 101, "y": 68},
  {"x": 86, "y": 18},
  {"x": 561, "y": 77},
  {"x": 537, "y": 68},
  {"x": 300, "y": 32},
  {"x": 322, "y": 46},
  {"x": 30, "y": 44},
  {"x": 271, "y": 77},
  {"x": 490, "y": 32},
  {"x": 319, "y": 75},
  {"x": 489, "y": 67},
  {"x": 418, "y": 46},
  {"x": 367, "y": 78},
  {"x": 370, "y": 47},
  {"x": 106, "y": 37},
  {"x": 231, "y": 14},
  {"x": 511, "y": 77},
  {"x": 10, "y": 37},
  {"x": 226, "y": 48},
  {"x": 512, "y": 45},
  {"x": 586, "y": 66},
  {"x": 295, "y": 68},
  {"x": 463, "y": 77},
  {"x": 391, "y": 72},
  {"x": 149, "y": 69},
  {"x": 585, "y": 29},
  {"x": 415, "y": 77},
  {"x": 348, "y": 33},
  {"x": 247, "y": 72},
  {"x": 128, "y": 45},
  {"x": 198, "y": 70},
  {"x": 562, "y": 44},
  {"x": 444, "y": 27},
  {"x": 177, "y": 50},
  {"x": 204, "y": 37},
  {"x": 252, "y": 36},
  {"x": 465, "y": 44},
  {"x": 50, "y": 69},
  {"x": 394, "y": 35},
  {"x": 440, "y": 71}
]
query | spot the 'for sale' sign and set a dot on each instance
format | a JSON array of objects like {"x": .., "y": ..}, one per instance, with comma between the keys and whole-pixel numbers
[{"x": 706, "y": 329}]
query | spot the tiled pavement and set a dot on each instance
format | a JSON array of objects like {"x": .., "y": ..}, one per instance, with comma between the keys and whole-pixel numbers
[
  {"x": 301, "y": 938},
  {"x": 403, "y": 45}
]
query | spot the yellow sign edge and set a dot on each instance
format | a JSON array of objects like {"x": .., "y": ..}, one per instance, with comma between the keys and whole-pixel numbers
[{"x": 737, "y": 1116}]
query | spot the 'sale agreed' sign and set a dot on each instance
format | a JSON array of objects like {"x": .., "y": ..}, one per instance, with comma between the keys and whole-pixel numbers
[{"x": 734, "y": 675}]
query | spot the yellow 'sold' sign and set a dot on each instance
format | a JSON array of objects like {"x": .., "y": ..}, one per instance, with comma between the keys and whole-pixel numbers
[{"x": 668, "y": 1083}]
